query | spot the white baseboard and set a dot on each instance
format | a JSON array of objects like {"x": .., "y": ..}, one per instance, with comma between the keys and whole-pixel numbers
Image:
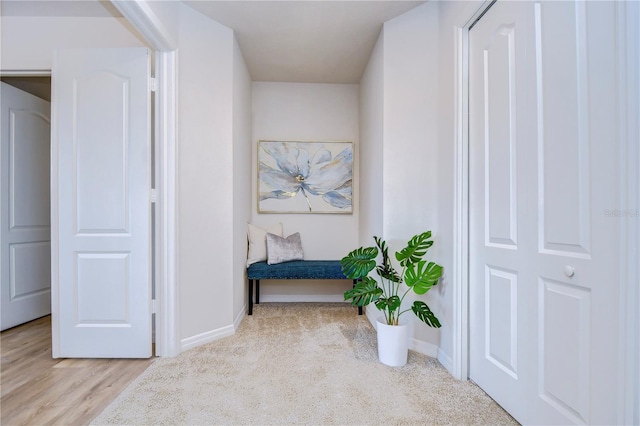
[
  {"x": 206, "y": 337},
  {"x": 424, "y": 348},
  {"x": 213, "y": 335},
  {"x": 241, "y": 315},
  {"x": 446, "y": 361}
]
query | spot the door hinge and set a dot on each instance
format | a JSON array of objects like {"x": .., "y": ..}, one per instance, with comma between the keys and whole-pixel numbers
[
  {"x": 153, "y": 306},
  {"x": 153, "y": 195},
  {"x": 153, "y": 83}
]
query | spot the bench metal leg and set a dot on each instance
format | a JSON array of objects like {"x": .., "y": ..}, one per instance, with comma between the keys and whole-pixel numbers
[
  {"x": 250, "y": 297},
  {"x": 257, "y": 295}
]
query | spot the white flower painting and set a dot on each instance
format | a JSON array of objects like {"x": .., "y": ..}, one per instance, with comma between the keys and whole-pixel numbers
[{"x": 305, "y": 177}]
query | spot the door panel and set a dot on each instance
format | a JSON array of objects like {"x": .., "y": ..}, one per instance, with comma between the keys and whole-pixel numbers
[
  {"x": 102, "y": 129},
  {"x": 501, "y": 291},
  {"x": 502, "y": 319},
  {"x": 564, "y": 199},
  {"x": 29, "y": 146},
  {"x": 564, "y": 348},
  {"x": 543, "y": 268},
  {"x": 100, "y": 160},
  {"x": 500, "y": 98},
  {"x": 24, "y": 230}
]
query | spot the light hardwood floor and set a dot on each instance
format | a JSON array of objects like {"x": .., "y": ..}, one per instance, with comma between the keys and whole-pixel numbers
[{"x": 39, "y": 390}]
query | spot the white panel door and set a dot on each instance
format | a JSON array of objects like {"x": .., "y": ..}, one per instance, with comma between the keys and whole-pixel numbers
[
  {"x": 25, "y": 247},
  {"x": 101, "y": 234},
  {"x": 544, "y": 285}
]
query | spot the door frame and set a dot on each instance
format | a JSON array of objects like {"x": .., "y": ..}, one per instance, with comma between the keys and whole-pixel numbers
[
  {"x": 38, "y": 312},
  {"x": 146, "y": 22},
  {"x": 628, "y": 214},
  {"x": 460, "y": 278},
  {"x": 628, "y": 40},
  {"x": 166, "y": 304}
]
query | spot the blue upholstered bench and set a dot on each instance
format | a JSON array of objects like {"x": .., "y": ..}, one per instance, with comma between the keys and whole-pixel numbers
[{"x": 295, "y": 270}]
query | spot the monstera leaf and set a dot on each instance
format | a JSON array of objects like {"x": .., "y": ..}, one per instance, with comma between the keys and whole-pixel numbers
[
  {"x": 364, "y": 292},
  {"x": 422, "y": 276},
  {"x": 388, "y": 291},
  {"x": 385, "y": 269},
  {"x": 415, "y": 249},
  {"x": 390, "y": 304},
  {"x": 359, "y": 262},
  {"x": 424, "y": 314}
]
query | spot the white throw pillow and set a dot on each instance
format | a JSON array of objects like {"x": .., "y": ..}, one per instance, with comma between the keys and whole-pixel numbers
[
  {"x": 281, "y": 250},
  {"x": 258, "y": 241}
]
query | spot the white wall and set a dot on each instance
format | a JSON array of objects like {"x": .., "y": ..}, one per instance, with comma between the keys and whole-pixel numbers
[
  {"x": 205, "y": 178},
  {"x": 242, "y": 188},
  {"x": 214, "y": 173},
  {"x": 308, "y": 112},
  {"x": 27, "y": 43},
  {"x": 371, "y": 146},
  {"x": 410, "y": 123},
  {"x": 400, "y": 127},
  {"x": 410, "y": 135},
  {"x": 419, "y": 142}
]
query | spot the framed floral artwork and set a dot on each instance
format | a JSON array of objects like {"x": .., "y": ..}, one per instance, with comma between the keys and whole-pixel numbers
[{"x": 305, "y": 177}]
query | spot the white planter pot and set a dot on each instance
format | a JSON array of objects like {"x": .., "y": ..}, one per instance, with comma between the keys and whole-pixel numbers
[{"x": 393, "y": 342}]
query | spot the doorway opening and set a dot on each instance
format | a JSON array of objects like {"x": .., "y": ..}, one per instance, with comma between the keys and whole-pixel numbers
[
  {"x": 26, "y": 189},
  {"x": 25, "y": 241}
]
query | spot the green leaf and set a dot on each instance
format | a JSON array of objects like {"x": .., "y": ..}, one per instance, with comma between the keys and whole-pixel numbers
[
  {"x": 422, "y": 276},
  {"x": 364, "y": 292},
  {"x": 386, "y": 270},
  {"x": 390, "y": 304},
  {"x": 415, "y": 250},
  {"x": 424, "y": 314},
  {"x": 359, "y": 262}
]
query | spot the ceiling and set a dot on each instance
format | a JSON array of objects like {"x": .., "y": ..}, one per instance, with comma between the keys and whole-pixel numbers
[
  {"x": 306, "y": 41},
  {"x": 89, "y": 8}
]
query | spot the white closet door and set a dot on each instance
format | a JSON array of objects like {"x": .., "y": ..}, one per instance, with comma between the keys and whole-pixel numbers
[
  {"x": 544, "y": 286},
  {"x": 102, "y": 231}
]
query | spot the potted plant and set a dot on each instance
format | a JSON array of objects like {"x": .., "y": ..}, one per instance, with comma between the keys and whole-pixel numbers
[{"x": 389, "y": 290}]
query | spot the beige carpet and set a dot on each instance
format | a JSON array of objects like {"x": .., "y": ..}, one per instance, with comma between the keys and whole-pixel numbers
[{"x": 298, "y": 363}]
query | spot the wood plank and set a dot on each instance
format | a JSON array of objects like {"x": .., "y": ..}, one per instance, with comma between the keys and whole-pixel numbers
[{"x": 37, "y": 389}]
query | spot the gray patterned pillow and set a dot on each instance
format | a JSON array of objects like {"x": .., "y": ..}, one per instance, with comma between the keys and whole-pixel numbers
[{"x": 281, "y": 250}]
